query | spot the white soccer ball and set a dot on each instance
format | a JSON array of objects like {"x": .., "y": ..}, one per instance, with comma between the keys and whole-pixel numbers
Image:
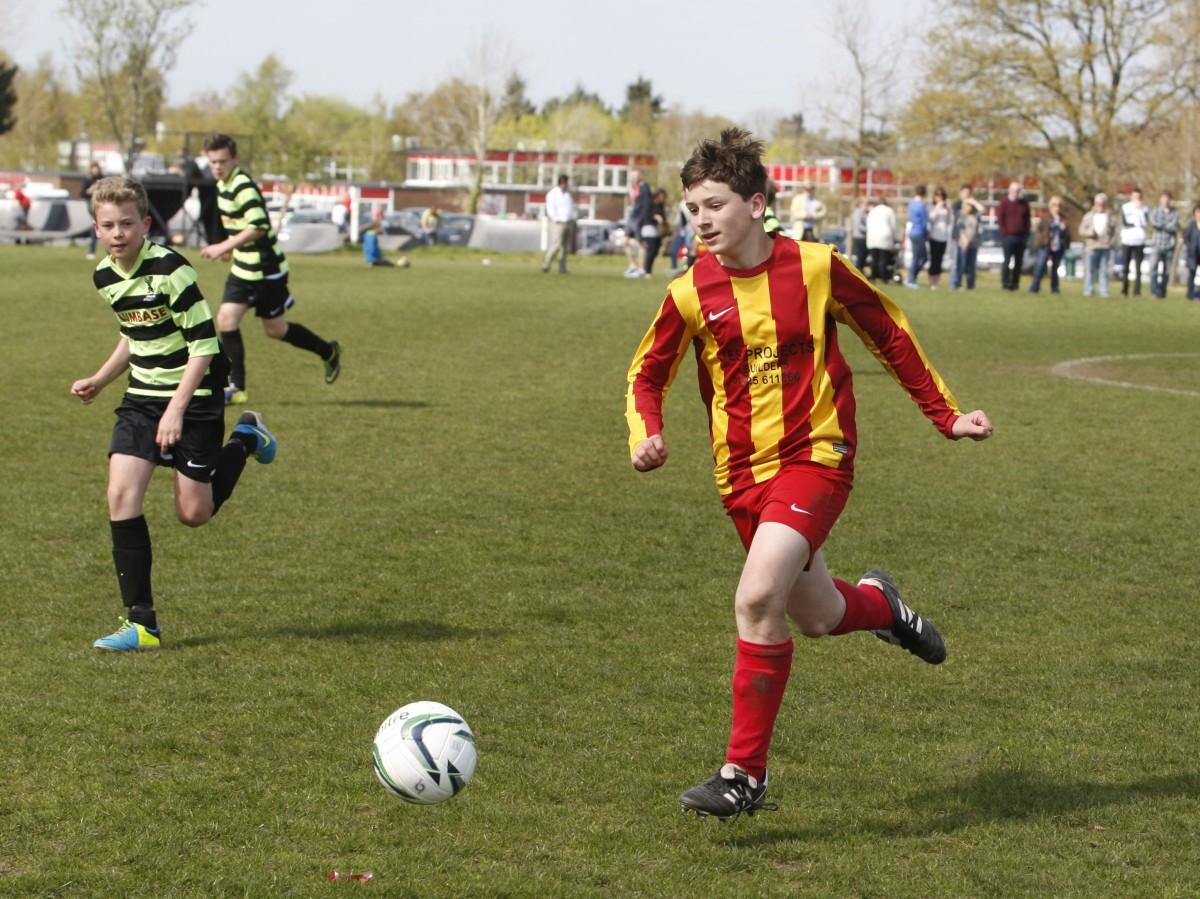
[{"x": 424, "y": 753}]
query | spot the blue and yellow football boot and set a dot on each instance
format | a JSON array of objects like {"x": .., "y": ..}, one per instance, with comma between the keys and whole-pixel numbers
[
  {"x": 131, "y": 637},
  {"x": 252, "y": 423}
]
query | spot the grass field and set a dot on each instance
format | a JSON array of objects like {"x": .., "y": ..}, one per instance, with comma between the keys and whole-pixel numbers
[{"x": 456, "y": 519}]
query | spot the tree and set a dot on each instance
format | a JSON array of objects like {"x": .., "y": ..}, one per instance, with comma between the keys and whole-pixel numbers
[
  {"x": 579, "y": 96},
  {"x": 640, "y": 96},
  {"x": 125, "y": 51},
  {"x": 8, "y": 95},
  {"x": 863, "y": 112},
  {"x": 515, "y": 104},
  {"x": 44, "y": 114},
  {"x": 1053, "y": 87}
]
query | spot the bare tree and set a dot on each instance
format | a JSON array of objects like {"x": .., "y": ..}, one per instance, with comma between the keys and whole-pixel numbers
[
  {"x": 488, "y": 63},
  {"x": 125, "y": 50},
  {"x": 866, "y": 93}
]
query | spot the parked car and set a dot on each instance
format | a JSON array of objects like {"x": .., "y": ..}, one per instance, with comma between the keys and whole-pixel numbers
[{"x": 454, "y": 229}]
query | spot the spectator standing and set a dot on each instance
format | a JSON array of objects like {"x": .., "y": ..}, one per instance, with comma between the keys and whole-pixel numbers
[
  {"x": 638, "y": 213},
  {"x": 682, "y": 234},
  {"x": 881, "y": 240},
  {"x": 966, "y": 234},
  {"x": 1051, "y": 239},
  {"x": 941, "y": 224},
  {"x": 807, "y": 213},
  {"x": 560, "y": 210},
  {"x": 431, "y": 220},
  {"x": 1191, "y": 248},
  {"x": 918, "y": 234},
  {"x": 89, "y": 185},
  {"x": 1165, "y": 222},
  {"x": 1012, "y": 215},
  {"x": 1099, "y": 232},
  {"x": 858, "y": 234},
  {"x": 965, "y": 198},
  {"x": 1135, "y": 217},
  {"x": 652, "y": 231}
]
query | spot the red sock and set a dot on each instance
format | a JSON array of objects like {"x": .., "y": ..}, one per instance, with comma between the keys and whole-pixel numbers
[
  {"x": 867, "y": 609},
  {"x": 760, "y": 674}
]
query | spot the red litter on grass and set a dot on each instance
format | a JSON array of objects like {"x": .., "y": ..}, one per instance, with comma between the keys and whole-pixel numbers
[{"x": 357, "y": 876}]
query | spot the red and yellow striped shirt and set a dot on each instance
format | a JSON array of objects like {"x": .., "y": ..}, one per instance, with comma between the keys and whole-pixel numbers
[{"x": 777, "y": 387}]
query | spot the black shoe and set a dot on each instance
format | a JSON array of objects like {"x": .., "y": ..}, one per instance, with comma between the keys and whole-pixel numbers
[
  {"x": 727, "y": 794},
  {"x": 333, "y": 365},
  {"x": 910, "y": 630}
]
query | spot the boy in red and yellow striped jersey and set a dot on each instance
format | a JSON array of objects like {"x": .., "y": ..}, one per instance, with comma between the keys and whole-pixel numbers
[{"x": 759, "y": 312}]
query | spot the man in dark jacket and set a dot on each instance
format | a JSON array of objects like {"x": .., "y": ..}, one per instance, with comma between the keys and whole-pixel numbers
[{"x": 1012, "y": 216}]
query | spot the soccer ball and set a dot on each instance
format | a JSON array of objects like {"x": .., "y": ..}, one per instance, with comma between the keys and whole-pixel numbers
[{"x": 424, "y": 753}]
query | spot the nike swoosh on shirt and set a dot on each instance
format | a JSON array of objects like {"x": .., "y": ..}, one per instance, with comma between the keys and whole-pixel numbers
[
  {"x": 713, "y": 316},
  {"x": 796, "y": 508}
]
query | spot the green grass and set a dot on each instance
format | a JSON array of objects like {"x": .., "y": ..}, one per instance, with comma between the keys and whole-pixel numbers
[{"x": 456, "y": 519}]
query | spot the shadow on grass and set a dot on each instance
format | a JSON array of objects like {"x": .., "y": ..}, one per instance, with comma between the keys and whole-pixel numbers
[
  {"x": 374, "y": 629},
  {"x": 990, "y": 797},
  {"x": 366, "y": 404}
]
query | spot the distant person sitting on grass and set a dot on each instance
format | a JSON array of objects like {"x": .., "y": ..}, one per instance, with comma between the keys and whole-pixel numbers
[
  {"x": 173, "y": 411},
  {"x": 760, "y": 310},
  {"x": 373, "y": 253},
  {"x": 258, "y": 278}
]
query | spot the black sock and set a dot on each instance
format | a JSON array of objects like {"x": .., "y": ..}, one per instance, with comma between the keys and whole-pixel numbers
[
  {"x": 133, "y": 558},
  {"x": 144, "y": 615},
  {"x": 230, "y": 466},
  {"x": 300, "y": 336},
  {"x": 231, "y": 341}
]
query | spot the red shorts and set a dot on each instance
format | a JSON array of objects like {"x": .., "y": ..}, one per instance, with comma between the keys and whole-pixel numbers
[{"x": 807, "y": 497}]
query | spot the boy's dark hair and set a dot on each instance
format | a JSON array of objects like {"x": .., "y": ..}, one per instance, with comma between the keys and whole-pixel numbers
[
  {"x": 735, "y": 159},
  {"x": 919, "y": 190},
  {"x": 219, "y": 141},
  {"x": 119, "y": 189}
]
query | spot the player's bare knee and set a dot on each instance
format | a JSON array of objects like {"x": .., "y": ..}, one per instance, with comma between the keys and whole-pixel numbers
[
  {"x": 813, "y": 627},
  {"x": 194, "y": 517},
  {"x": 275, "y": 328},
  {"x": 754, "y": 602}
]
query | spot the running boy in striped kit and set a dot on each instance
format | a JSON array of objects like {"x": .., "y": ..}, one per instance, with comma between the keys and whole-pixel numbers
[
  {"x": 760, "y": 312},
  {"x": 173, "y": 411},
  {"x": 258, "y": 278}
]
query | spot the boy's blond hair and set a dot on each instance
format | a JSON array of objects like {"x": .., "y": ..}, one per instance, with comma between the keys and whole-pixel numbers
[{"x": 119, "y": 189}]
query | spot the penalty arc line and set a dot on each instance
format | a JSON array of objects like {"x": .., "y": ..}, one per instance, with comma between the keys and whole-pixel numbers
[{"x": 1067, "y": 370}]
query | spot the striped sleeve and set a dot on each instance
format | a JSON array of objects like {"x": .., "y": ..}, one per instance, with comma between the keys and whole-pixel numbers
[
  {"x": 886, "y": 332},
  {"x": 249, "y": 205},
  {"x": 654, "y": 367},
  {"x": 191, "y": 314}
]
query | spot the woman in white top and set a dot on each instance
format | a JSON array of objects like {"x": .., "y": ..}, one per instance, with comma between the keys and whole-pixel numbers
[
  {"x": 941, "y": 223},
  {"x": 881, "y": 240},
  {"x": 1135, "y": 215}
]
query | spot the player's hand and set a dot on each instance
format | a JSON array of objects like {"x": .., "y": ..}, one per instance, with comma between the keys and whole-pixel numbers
[
  {"x": 650, "y": 453},
  {"x": 213, "y": 251},
  {"x": 975, "y": 425},
  {"x": 86, "y": 389},
  {"x": 170, "y": 428}
]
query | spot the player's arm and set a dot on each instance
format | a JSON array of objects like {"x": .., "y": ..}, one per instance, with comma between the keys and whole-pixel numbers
[
  {"x": 87, "y": 389},
  {"x": 229, "y": 244},
  {"x": 886, "y": 332},
  {"x": 650, "y": 375},
  {"x": 170, "y": 425}
]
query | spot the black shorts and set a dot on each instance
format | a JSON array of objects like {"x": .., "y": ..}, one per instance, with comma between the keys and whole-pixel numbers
[
  {"x": 270, "y": 297},
  {"x": 194, "y": 456}
]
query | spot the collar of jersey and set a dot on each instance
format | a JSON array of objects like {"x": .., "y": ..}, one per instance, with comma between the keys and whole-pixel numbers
[
  {"x": 137, "y": 263},
  {"x": 232, "y": 175}
]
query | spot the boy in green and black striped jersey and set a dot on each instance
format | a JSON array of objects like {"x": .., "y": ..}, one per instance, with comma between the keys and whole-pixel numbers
[
  {"x": 173, "y": 410},
  {"x": 259, "y": 275}
]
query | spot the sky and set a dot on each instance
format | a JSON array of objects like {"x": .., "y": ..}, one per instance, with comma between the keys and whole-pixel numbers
[{"x": 775, "y": 59}]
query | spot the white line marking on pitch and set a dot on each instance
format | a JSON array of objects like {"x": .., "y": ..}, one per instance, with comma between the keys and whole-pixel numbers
[{"x": 1066, "y": 370}]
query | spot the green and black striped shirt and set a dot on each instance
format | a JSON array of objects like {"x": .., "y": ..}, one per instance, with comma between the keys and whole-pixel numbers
[
  {"x": 164, "y": 317},
  {"x": 242, "y": 206}
]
